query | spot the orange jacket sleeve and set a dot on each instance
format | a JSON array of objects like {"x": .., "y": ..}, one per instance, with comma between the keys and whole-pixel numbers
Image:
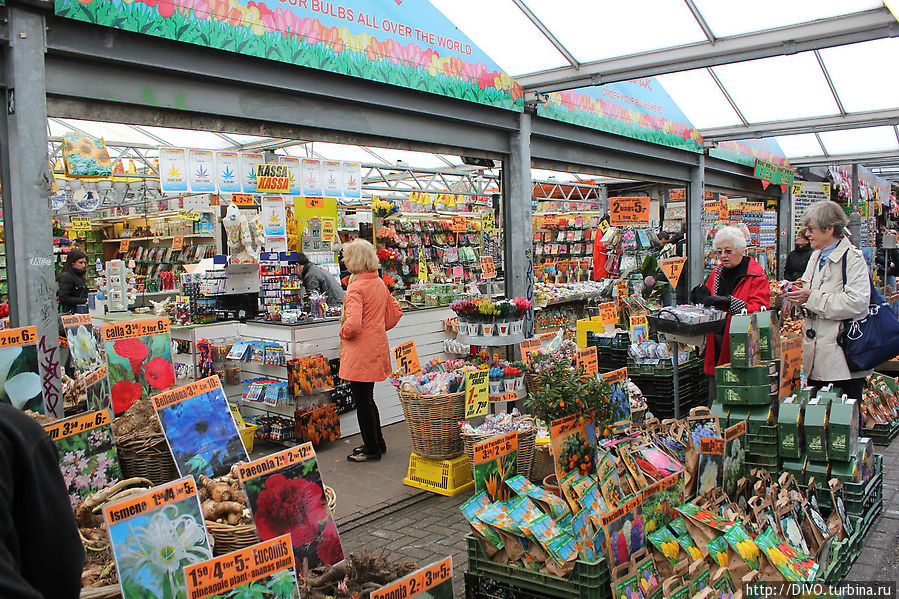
[
  {"x": 352, "y": 309},
  {"x": 393, "y": 312}
]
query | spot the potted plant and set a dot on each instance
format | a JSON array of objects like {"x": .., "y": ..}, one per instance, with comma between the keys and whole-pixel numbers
[
  {"x": 510, "y": 379},
  {"x": 487, "y": 313},
  {"x": 522, "y": 305},
  {"x": 496, "y": 380},
  {"x": 506, "y": 312},
  {"x": 467, "y": 312},
  {"x": 565, "y": 390}
]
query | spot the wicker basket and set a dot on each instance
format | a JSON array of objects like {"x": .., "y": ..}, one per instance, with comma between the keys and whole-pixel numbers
[
  {"x": 229, "y": 538},
  {"x": 526, "y": 442},
  {"x": 433, "y": 422},
  {"x": 110, "y": 591},
  {"x": 534, "y": 386},
  {"x": 148, "y": 456}
]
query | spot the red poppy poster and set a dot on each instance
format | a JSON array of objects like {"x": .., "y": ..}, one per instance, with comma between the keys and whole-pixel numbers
[
  {"x": 139, "y": 353},
  {"x": 286, "y": 495}
]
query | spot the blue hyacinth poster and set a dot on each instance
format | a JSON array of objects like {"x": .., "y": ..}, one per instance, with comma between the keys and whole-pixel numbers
[{"x": 199, "y": 428}]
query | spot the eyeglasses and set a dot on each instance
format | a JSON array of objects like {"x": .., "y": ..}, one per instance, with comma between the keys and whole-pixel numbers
[{"x": 725, "y": 252}]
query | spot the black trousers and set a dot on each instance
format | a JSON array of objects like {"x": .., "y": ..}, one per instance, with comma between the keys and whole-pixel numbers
[
  {"x": 851, "y": 387},
  {"x": 368, "y": 417}
]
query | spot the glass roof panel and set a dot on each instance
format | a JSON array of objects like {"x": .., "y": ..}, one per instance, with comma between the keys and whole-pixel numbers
[
  {"x": 778, "y": 88},
  {"x": 504, "y": 33},
  {"x": 183, "y": 138},
  {"x": 857, "y": 74},
  {"x": 799, "y": 146},
  {"x": 409, "y": 158},
  {"x": 700, "y": 98},
  {"x": 662, "y": 24},
  {"x": 855, "y": 141},
  {"x": 733, "y": 18},
  {"x": 331, "y": 151},
  {"x": 110, "y": 132}
]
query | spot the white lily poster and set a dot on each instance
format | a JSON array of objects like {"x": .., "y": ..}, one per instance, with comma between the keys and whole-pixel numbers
[
  {"x": 90, "y": 365},
  {"x": 20, "y": 384}
]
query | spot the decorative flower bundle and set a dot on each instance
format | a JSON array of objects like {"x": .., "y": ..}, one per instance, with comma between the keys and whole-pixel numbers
[{"x": 383, "y": 208}]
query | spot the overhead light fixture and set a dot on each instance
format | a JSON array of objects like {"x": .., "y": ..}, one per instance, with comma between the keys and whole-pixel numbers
[{"x": 472, "y": 161}]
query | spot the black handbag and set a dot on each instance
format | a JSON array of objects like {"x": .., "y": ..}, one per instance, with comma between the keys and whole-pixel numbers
[{"x": 872, "y": 340}]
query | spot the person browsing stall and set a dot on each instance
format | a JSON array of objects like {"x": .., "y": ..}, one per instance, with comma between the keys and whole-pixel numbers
[
  {"x": 72, "y": 292},
  {"x": 317, "y": 279},
  {"x": 828, "y": 298},
  {"x": 369, "y": 311},
  {"x": 738, "y": 283},
  {"x": 797, "y": 260}
]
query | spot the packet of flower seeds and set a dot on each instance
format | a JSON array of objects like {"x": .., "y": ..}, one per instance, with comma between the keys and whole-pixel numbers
[
  {"x": 666, "y": 543},
  {"x": 471, "y": 509},
  {"x": 605, "y": 464},
  {"x": 702, "y": 524},
  {"x": 700, "y": 577},
  {"x": 581, "y": 486},
  {"x": 659, "y": 500},
  {"x": 794, "y": 565},
  {"x": 563, "y": 548},
  {"x": 625, "y": 582},
  {"x": 687, "y": 544},
  {"x": 542, "y": 529},
  {"x": 723, "y": 582},
  {"x": 746, "y": 554},
  {"x": 523, "y": 511},
  {"x": 498, "y": 517},
  {"x": 553, "y": 505},
  {"x": 718, "y": 550},
  {"x": 566, "y": 484},
  {"x": 582, "y": 530},
  {"x": 610, "y": 489},
  {"x": 648, "y": 579},
  {"x": 594, "y": 503}
]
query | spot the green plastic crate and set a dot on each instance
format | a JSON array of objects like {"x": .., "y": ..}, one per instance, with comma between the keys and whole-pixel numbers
[{"x": 588, "y": 580}]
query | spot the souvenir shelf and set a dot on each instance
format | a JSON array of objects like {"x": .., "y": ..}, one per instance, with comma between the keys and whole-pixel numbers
[{"x": 564, "y": 237}]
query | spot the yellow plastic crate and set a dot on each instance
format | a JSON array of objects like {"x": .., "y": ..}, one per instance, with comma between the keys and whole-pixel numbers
[
  {"x": 445, "y": 477},
  {"x": 247, "y": 435}
]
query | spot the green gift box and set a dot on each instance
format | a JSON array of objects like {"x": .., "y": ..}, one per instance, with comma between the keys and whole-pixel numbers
[
  {"x": 751, "y": 395},
  {"x": 721, "y": 411},
  {"x": 762, "y": 374},
  {"x": 744, "y": 341},
  {"x": 766, "y": 346},
  {"x": 790, "y": 430},
  {"x": 757, "y": 418},
  {"x": 796, "y": 468},
  {"x": 816, "y": 430},
  {"x": 842, "y": 430}
]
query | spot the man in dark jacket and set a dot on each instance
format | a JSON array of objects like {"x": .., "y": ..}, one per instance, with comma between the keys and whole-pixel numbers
[
  {"x": 316, "y": 278},
  {"x": 797, "y": 260},
  {"x": 72, "y": 291},
  {"x": 41, "y": 555}
]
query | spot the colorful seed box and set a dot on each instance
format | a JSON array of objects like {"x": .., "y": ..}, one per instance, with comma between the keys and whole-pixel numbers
[
  {"x": 843, "y": 430},
  {"x": 790, "y": 431},
  {"x": 816, "y": 430}
]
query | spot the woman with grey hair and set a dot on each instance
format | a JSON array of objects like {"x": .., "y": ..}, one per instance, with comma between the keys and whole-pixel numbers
[
  {"x": 738, "y": 283},
  {"x": 835, "y": 287}
]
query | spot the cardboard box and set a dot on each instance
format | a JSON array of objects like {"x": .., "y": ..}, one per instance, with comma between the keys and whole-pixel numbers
[
  {"x": 842, "y": 430},
  {"x": 796, "y": 468},
  {"x": 758, "y": 417},
  {"x": 820, "y": 470},
  {"x": 744, "y": 341},
  {"x": 816, "y": 430},
  {"x": 749, "y": 395},
  {"x": 762, "y": 374},
  {"x": 766, "y": 345},
  {"x": 790, "y": 431}
]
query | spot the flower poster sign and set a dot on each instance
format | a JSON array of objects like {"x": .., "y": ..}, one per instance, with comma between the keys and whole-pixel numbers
[
  {"x": 139, "y": 353},
  {"x": 286, "y": 495},
  {"x": 408, "y": 44},
  {"x": 90, "y": 366},
  {"x": 199, "y": 428},
  {"x": 87, "y": 453},
  {"x": 20, "y": 384},
  {"x": 495, "y": 462}
]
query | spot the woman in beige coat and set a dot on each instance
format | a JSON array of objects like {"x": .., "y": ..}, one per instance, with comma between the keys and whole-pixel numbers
[{"x": 827, "y": 301}]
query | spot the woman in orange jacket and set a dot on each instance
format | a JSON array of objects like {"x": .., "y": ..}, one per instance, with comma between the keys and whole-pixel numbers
[{"x": 369, "y": 311}]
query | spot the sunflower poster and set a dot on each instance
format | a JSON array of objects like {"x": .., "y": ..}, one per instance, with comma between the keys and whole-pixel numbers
[
  {"x": 286, "y": 495},
  {"x": 90, "y": 365},
  {"x": 20, "y": 383},
  {"x": 87, "y": 453},
  {"x": 154, "y": 536},
  {"x": 85, "y": 156},
  {"x": 139, "y": 354},
  {"x": 431, "y": 582},
  {"x": 199, "y": 428},
  {"x": 265, "y": 570},
  {"x": 495, "y": 462}
]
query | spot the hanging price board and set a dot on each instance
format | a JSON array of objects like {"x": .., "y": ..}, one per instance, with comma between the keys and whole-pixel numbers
[
  {"x": 242, "y": 199},
  {"x": 459, "y": 225},
  {"x": 407, "y": 357},
  {"x": 315, "y": 202},
  {"x": 608, "y": 313},
  {"x": 329, "y": 226},
  {"x": 772, "y": 173},
  {"x": 20, "y": 336},
  {"x": 189, "y": 215},
  {"x": 177, "y": 243},
  {"x": 81, "y": 223},
  {"x": 124, "y": 244},
  {"x": 476, "y": 400},
  {"x": 527, "y": 346},
  {"x": 673, "y": 268},
  {"x": 488, "y": 224},
  {"x": 588, "y": 359},
  {"x": 488, "y": 270},
  {"x": 629, "y": 210}
]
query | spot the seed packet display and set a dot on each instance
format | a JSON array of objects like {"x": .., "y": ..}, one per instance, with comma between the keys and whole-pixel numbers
[
  {"x": 286, "y": 496},
  {"x": 139, "y": 355},
  {"x": 265, "y": 569},
  {"x": 734, "y": 457},
  {"x": 166, "y": 523},
  {"x": 659, "y": 500},
  {"x": 624, "y": 532},
  {"x": 711, "y": 465},
  {"x": 20, "y": 383},
  {"x": 431, "y": 582},
  {"x": 794, "y": 565},
  {"x": 199, "y": 428},
  {"x": 96, "y": 387},
  {"x": 572, "y": 450},
  {"x": 495, "y": 461},
  {"x": 553, "y": 505},
  {"x": 619, "y": 396},
  {"x": 83, "y": 346},
  {"x": 87, "y": 453},
  {"x": 471, "y": 509}
]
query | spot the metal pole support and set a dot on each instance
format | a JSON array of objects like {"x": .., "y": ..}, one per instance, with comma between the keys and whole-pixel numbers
[
  {"x": 695, "y": 234},
  {"x": 25, "y": 176},
  {"x": 517, "y": 227},
  {"x": 855, "y": 219}
]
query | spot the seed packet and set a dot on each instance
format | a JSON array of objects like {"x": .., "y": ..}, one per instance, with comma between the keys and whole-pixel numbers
[
  {"x": 687, "y": 544},
  {"x": 582, "y": 531},
  {"x": 566, "y": 484},
  {"x": 471, "y": 509},
  {"x": 795, "y": 566},
  {"x": 655, "y": 462},
  {"x": 523, "y": 511},
  {"x": 659, "y": 500},
  {"x": 580, "y": 487},
  {"x": 625, "y": 583},
  {"x": 610, "y": 490},
  {"x": 593, "y": 502},
  {"x": 718, "y": 550},
  {"x": 551, "y": 504},
  {"x": 632, "y": 467},
  {"x": 542, "y": 529},
  {"x": 738, "y": 540},
  {"x": 700, "y": 577},
  {"x": 563, "y": 548},
  {"x": 624, "y": 531},
  {"x": 666, "y": 543},
  {"x": 648, "y": 578},
  {"x": 711, "y": 464},
  {"x": 605, "y": 465}
]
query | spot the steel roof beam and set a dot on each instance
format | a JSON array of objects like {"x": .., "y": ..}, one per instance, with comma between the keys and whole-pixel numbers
[
  {"x": 866, "y": 159},
  {"x": 546, "y": 33},
  {"x": 824, "y": 33},
  {"x": 833, "y": 89},
  {"x": 854, "y": 120},
  {"x": 700, "y": 20}
]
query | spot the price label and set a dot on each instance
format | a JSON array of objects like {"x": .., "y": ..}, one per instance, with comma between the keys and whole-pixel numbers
[
  {"x": 527, "y": 346},
  {"x": 189, "y": 215},
  {"x": 422, "y": 266},
  {"x": 81, "y": 223},
  {"x": 20, "y": 336},
  {"x": 629, "y": 210},
  {"x": 790, "y": 365},
  {"x": 420, "y": 582},
  {"x": 272, "y": 178},
  {"x": 177, "y": 243},
  {"x": 476, "y": 400},
  {"x": 608, "y": 313},
  {"x": 329, "y": 227},
  {"x": 315, "y": 202},
  {"x": 407, "y": 357},
  {"x": 672, "y": 269},
  {"x": 496, "y": 447},
  {"x": 639, "y": 328},
  {"x": 488, "y": 225},
  {"x": 459, "y": 224},
  {"x": 238, "y": 569},
  {"x": 549, "y": 221},
  {"x": 124, "y": 244},
  {"x": 77, "y": 424},
  {"x": 588, "y": 360},
  {"x": 488, "y": 270},
  {"x": 604, "y": 225},
  {"x": 242, "y": 199},
  {"x": 711, "y": 446},
  {"x": 503, "y": 397},
  {"x": 621, "y": 289}
]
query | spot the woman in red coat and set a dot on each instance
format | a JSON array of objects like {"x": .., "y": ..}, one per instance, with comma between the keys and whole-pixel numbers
[
  {"x": 369, "y": 311},
  {"x": 738, "y": 283}
]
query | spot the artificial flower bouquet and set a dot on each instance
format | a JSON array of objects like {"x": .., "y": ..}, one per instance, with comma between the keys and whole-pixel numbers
[{"x": 487, "y": 317}]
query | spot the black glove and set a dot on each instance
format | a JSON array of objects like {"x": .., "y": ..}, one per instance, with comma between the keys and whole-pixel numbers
[
  {"x": 719, "y": 302},
  {"x": 699, "y": 293}
]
